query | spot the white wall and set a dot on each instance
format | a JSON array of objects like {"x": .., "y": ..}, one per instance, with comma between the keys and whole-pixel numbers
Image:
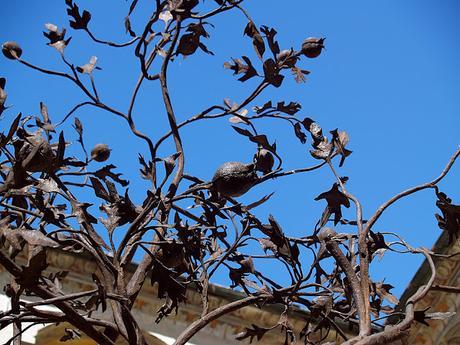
[{"x": 7, "y": 332}]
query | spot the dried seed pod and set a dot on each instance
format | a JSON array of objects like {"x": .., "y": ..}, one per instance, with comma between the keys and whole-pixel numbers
[
  {"x": 100, "y": 153},
  {"x": 233, "y": 179},
  {"x": 326, "y": 234},
  {"x": 264, "y": 161},
  {"x": 312, "y": 47},
  {"x": 11, "y": 50}
]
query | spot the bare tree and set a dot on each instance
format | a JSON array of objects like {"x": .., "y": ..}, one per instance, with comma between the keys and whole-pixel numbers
[{"x": 184, "y": 246}]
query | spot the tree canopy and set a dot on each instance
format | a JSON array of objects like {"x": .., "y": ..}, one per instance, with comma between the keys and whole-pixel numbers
[{"x": 183, "y": 228}]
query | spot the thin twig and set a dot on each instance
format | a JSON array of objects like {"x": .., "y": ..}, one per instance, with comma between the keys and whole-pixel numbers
[{"x": 410, "y": 191}]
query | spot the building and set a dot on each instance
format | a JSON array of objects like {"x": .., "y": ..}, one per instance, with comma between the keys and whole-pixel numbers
[
  {"x": 440, "y": 332},
  {"x": 223, "y": 330}
]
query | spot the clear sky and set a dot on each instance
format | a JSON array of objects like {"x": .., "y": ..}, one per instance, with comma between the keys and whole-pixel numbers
[{"x": 390, "y": 77}]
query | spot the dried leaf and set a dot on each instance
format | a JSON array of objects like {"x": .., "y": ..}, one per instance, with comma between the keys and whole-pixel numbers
[
  {"x": 243, "y": 131},
  {"x": 128, "y": 28},
  {"x": 36, "y": 238},
  {"x": 89, "y": 67},
  {"x": 315, "y": 131},
  {"x": 335, "y": 199},
  {"x": 238, "y": 67},
  {"x": 440, "y": 315},
  {"x": 383, "y": 291},
  {"x": 61, "y": 45},
  {"x": 53, "y": 34},
  {"x": 340, "y": 140},
  {"x": 106, "y": 171},
  {"x": 299, "y": 74},
  {"x": 299, "y": 134},
  {"x": 78, "y": 127},
  {"x": 147, "y": 169},
  {"x": 99, "y": 189},
  {"x": 263, "y": 141},
  {"x": 259, "y": 202},
  {"x": 12, "y": 130},
  {"x": 3, "y": 95},
  {"x": 44, "y": 112},
  {"x": 79, "y": 22},
  {"x": 190, "y": 42},
  {"x": 251, "y": 333},
  {"x": 271, "y": 73},
  {"x": 422, "y": 315},
  {"x": 270, "y": 34},
  {"x": 60, "y": 150},
  {"x": 257, "y": 41},
  {"x": 450, "y": 219},
  {"x": 170, "y": 163},
  {"x": 290, "y": 109}
]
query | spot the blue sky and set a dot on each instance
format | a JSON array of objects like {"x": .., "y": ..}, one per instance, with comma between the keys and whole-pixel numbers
[{"x": 389, "y": 77}]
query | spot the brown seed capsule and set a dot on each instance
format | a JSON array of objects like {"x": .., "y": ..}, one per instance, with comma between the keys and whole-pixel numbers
[
  {"x": 100, "y": 153},
  {"x": 233, "y": 179},
  {"x": 264, "y": 161},
  {"x": 312, "y": 47},
  {"x": 326, "y": 234},
  {"x": 11, "y": 50}
]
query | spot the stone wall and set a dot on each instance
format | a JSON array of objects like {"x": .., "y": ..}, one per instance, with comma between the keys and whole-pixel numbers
[
  {"x": 440, "y": 332},
  {"x": 221, "y": 331}
]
